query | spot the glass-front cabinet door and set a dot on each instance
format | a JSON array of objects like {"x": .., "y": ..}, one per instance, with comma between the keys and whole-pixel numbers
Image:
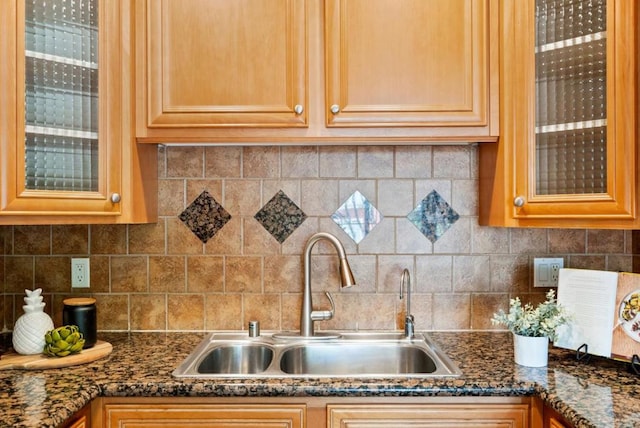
[
  {"x": 567, "y": 153},
  {"x": 61, "y": 137}
]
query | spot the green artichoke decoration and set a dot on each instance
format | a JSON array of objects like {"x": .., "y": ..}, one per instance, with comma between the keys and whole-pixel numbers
[{"x": 63, "y": 341}]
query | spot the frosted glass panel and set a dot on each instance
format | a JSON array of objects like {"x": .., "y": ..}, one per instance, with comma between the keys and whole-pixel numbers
[
  {"x": 571, "y": 116},
  {"x": 61, "y": 95}
]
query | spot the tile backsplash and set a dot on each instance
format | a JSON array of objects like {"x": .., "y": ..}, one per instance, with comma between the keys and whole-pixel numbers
[{"x": 232, "y": 228}]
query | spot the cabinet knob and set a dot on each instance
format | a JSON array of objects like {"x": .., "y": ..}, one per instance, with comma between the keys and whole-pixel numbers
[
  {"x": 335, "y": 109},
  {"x": 518, "y": 201},
  {"x": 298, "y": 109},
  {"x": 115, "y": 198}
]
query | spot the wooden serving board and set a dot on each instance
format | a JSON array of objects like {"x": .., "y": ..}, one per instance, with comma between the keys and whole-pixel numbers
[{"x": 38, "y": 362}]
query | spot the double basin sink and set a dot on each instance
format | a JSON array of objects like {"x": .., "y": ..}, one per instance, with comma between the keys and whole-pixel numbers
[{"x": 349, "y": 355}]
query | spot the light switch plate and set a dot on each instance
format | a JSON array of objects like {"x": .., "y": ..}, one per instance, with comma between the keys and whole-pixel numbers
[{"x": 546, "y": 271}]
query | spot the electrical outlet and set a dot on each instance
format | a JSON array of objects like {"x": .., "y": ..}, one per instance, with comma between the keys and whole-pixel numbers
[
  {"x": 80, "y": 273},
  {"x": 546, "y": 271}
]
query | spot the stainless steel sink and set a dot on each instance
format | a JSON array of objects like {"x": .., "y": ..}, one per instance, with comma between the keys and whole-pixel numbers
[
  {"x": 369, "y": 354},
  {"x": 355, "y": 359},
  {"x": 236, "y": 359}
]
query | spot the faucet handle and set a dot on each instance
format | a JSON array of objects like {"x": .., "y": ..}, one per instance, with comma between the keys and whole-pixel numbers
[{"x": 324, "y": 315}]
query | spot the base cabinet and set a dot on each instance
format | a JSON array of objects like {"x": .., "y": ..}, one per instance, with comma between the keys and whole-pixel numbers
[{"x": 317, "y": 412}]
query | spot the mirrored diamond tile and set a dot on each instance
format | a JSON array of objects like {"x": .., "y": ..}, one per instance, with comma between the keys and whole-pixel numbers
[
  {"x": 280, "y": 216},
  {"x": 357, "y": 216},
  {"x": 205, "y": 216},
  {"x": 433, "y": 216}
]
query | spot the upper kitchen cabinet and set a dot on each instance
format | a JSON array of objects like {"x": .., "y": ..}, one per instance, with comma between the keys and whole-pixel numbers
[
  {"x": 567, "y": 155},
  {"x": 67, "y": 147},
  {"x": 317, "y": 71}
]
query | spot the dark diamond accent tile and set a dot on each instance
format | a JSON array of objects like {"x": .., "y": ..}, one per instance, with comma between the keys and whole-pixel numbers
[
  {"x": 433, "y": 216},
  {"x": 205, "y": 216},
  {"x": 280, "y": 216}
]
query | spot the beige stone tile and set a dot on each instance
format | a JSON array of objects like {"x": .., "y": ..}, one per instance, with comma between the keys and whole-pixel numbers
[
  {"x": 483, "y": 306},
  {"x": 451, "y": 311},
  {"x": 147, "y": 238},
  {"x": 329, "y": 226},
  {"x": 337, "y": 161},
  {"x": 296, "y": 241},
  {"x": 421, "y": 309},
  {"x": 257, "y": 240},
  {"x": 457, "y": 239},
  {"x": 605, "y": 241},
  {"x": 283, "y": 274},
  {"x": 53, "y": 274},
  {"x": 409, "y": 240},
  {"x": 228, "y": 240},
  {"x": 619, "y": 263},
  {"x": 299, "y": 161},
  {"x": 413, "y": 161},
  {"x": 223, "y": 162},
  {"x": 70, "y": 239},
  {"x": 261, "y": 162},
  {"x": 464, "y": 197},
  {"x": 205, "y": 274},
  {"x": 375, "y": 161},
  {"x": 19, "y": 273},
  {"x": 434, "y": 274},
  {"x": 364, "y": 272},
  {"x": 167, "y": 274},
  {"x": 185, "y": 312},
  {"x": 99, "y": 274},
  {"x": 112, "y": 312},
  {"x": 442, "y": 186},
  {"x": 32, "y": 240},
  {"x": 510, "y": 273},
  {"x": 452, "y": 161},
  {"x": 380, "y": 240},
  {"x": 319, "y": 197},
  {"x": 243, "y": 274},
  {"x": 149, "y": 312},
  {"x": 587, "y": 262},
  {"x": 359, "y": 311},
  {"x": 162, "y": 161},
  {"x": 528, "y": 241},
  {"x": 264, "y": 308},
  {"x": 567, "y": 241},
  {"x": 270, "y": 188},
  {"x": 349, "y": 187},
  {"x": 471, "y": 273},
  {"x": 242, "y": 197},
  {"x": 395, "y": 197},
  {"x": 196, "y": 187},
  {"x": 108, "y": 239},
  {"x": 291, "y": 306},
  {"x": 390, "y": 269},
  {"x": 223, "y": 312},
  {"x": 325, "y": 275},
  {"x": 129, "y": 274},
  {"x": 180, "y": 239},
  {"x": 490, "y": 240},
  {"x": 185, "y": 161},
  {"x": 171, "y": 197}
]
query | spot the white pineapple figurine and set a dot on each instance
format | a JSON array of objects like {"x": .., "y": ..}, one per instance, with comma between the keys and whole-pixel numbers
[{"x": 30, "y": 328}]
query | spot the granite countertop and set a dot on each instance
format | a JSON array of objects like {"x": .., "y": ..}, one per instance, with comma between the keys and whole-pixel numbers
[{"x": 599, "y": 393}]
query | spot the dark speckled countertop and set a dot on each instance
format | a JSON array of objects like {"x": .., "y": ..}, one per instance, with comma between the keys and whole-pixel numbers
[{"x": 600, "y": 393}]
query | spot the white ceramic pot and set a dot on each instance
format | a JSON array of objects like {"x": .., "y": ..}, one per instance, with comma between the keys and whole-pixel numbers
[{"x": 531, "y": 351}]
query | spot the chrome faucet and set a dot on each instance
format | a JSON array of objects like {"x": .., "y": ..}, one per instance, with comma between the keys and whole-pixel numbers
[
  {"x": 308, "y": 315},
  {"x": 409, "y": 322}
]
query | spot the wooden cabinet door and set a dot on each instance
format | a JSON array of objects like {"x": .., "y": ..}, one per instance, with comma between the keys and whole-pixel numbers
[
  {"x": 407, "y": 63},
  {"x": 567, "y": 155},
  {"x": 220, "y": 63},
  {"x": 66, "y": 148},
  {"x": 201, "y": 415},
  {"x": 415, "y": 415}
]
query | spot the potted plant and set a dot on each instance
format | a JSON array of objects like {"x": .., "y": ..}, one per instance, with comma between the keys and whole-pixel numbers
[{"x": 532, "y": 328}]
